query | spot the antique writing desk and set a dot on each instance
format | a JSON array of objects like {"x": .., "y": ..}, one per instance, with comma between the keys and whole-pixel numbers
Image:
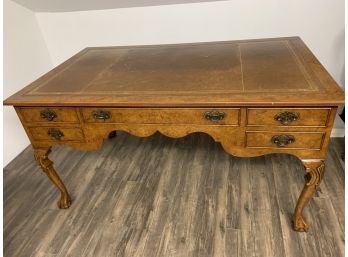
[{"x": 255, "y": 97}]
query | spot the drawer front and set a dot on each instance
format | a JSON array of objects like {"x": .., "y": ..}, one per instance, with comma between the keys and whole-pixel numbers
[
  {"x": 48, "y": 114},
  {"x": 289, "y": 140},
  {"x": 288, "y": 117},
  {"x": 162, "y": 116},
  {"x": 56, "y": 133}
]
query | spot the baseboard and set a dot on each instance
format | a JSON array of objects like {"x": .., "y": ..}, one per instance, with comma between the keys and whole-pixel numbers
[
  {"x": 337, "y": 132},
  {"x": 338, "y": 128}
]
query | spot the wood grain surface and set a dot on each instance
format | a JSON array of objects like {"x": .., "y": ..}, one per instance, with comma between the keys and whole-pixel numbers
[
  {"x": 233, "y": 131},
  {"x": 157, "y": 196}
]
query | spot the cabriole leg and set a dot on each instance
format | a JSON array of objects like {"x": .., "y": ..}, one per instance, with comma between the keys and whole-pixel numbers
[
  {"x": 41, "y": 156},
  {"x": 314, "y": 175}
]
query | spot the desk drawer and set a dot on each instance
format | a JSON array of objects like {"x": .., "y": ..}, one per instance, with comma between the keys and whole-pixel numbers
[
  {"x": 201, "y": 116},
  {"x": 288, "y": 117},
  {"x": 56, "y": 133},
  {"x": 48, "y": 114},
  {"x": 292, "y": 140}
]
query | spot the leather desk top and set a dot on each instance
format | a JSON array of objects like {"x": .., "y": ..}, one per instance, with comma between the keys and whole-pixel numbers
[{"x": 263, "y": 72}]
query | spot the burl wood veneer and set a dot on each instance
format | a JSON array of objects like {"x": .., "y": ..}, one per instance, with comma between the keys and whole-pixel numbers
[{"x": 255, "y": 97}]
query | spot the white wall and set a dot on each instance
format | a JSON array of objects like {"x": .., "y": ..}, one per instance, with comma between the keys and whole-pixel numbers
[
  {"x": 25, "y": 58},
  {"x": 320, "y": 23},
  {"x": 87, "y": 5}
]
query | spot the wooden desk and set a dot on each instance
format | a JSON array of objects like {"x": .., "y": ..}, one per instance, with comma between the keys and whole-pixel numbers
[{"x": 255, "y": 97}]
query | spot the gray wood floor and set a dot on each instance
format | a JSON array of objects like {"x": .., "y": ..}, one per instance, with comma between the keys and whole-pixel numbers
[{"x": 158, "y": 196}]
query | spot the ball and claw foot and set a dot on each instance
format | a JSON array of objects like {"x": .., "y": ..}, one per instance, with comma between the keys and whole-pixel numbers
[
  {"x": 300, "y": 224},
  {"x": 64, "y": 202}
]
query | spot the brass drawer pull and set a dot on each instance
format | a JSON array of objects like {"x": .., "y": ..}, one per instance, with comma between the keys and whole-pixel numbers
[
  {"x": 214, "y": 116},
  {"x": 286, "y": 117},
  {"x": 55, "y": 133},
  {"x": 283, "y": 140},
  {"x": 101, "y": 115},
  {"x": 48, "y": 115}
]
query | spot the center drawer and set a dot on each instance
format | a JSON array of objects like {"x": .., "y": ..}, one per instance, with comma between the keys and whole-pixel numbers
[{"x": 201, "y": 116}]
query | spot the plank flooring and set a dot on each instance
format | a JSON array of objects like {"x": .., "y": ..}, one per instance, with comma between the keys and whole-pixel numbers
[{"x": 158, "y": 196}]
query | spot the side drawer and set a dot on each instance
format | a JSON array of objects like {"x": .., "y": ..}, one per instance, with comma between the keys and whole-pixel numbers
[
  {"x": 289, "y": 140},
  {"x": 317, "y": 117},
  {"x": 48, "y": 114},
  {"x": 56, "y": 133},
  {"x": 200, "y": 116}
]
